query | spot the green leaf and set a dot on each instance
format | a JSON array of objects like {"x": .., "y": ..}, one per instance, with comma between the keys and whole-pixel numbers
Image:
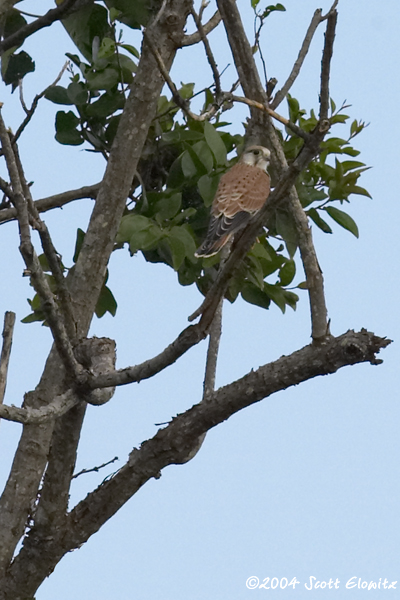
[
  {"x": 77, "y": 93},
  {"x": 133, "y": 14},
  {"x": 287, "y": 272},
  {"x": 181, "y": 233},
  {"x": 85, "y": 24},
  {"x": 168, "y": 206},
  {"x": 58, "y": 95},
  {"x": 188, "y": 167},
  {"x": 106, "y": 105},
  {"x": 315, "y": 216},
  {"x": 291, "y": 299},
  {"x": 202, "y": 151},
  {"x": 106, "y": 303},
  {"x": 18, "y": 66},
  {"x": 215, "y": 143},
  {"x": 107, "y": 48},
  {"x": 356, "y": 189},
  {"x": 207, "y": 186},
  {"x": 131, "y": 49},
  {"x": 254, "y": 295},
  {"x": 145, "y": 239},
  {"x": 103, "y": 80},
  {"x": 130, "y": 225},
  {"x": 276, "y": 294},
  {"x": 343, "y": 219},
  {"x": 254, "y": 4},
  {"x": 80, "y": 236},
  {"x": 66, "y": 132},
  {"x": 13, "y": 22},
  {"x": 286, "y": 227}
]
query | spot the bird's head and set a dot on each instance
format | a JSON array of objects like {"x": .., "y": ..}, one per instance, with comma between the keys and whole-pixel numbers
[{"x": 256, "y": 156}]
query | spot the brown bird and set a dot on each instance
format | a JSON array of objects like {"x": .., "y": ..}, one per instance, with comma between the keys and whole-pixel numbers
[{"x": 241, "y": 193}]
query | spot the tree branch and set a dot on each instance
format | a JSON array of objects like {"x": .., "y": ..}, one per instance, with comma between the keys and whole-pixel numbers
[
  {"x": 195, "y": 38},
  {"x": 209, "y": 54},
  {"x": 171, "y": 443},
  {"x": 8, "y": 329},
  {"x": 50, "y": 202},
  {"x": 52, "y": 15}
]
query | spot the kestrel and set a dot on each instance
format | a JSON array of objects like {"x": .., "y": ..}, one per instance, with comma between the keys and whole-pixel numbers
[{"x": 241, "y": 193}]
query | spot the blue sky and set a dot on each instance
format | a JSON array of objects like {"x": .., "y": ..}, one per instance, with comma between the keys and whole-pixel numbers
[{"x": 303, "y": 484}]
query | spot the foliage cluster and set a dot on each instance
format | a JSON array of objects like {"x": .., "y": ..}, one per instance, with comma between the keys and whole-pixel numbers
[{"x": 167, "y": 213}]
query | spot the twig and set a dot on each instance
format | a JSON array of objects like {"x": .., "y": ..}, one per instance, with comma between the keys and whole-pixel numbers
[
  {"x": 195, "y": 38},
  {"x": 210, "y": 56},
  {"x": 326, "y": 66},
  {"x": 8, "y": 329},
  {"x": 292, "y": 126},
  {"x": 33, "y": 266},
  {"x": 52, "y": 15},
  {"x": 21, "y": 96},
  {"x": 30, "y": 111},
  {"x": 50, "y": 202},
  {"x": 317, "y": 19},
  {"x": 95, "y": 469}
]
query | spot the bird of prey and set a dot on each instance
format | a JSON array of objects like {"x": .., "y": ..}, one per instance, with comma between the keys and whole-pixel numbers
[{"x": 241, "y": 193}]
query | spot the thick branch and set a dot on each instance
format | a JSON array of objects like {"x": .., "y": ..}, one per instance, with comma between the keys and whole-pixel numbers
[{"x": 174, "y": 441}]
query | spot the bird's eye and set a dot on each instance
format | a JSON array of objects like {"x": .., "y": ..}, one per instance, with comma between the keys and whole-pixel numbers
[{"x": 256, "y": 152}]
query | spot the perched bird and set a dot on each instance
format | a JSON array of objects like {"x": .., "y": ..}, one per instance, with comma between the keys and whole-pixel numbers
[{"x": 241, "y": 193}]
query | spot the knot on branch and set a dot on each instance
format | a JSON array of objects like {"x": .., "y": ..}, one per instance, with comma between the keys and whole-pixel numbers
[
  {"x": 324, "y": 125},
  {"x": 98, "y": 356}
]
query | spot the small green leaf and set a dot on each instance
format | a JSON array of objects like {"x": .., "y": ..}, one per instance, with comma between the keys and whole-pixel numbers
[
  {"x": 356, "y": 189},
  {"x": 77, "y": 93},
  {"x": 168, "y": 206},
  {"x": 207, "y": 186},
  {"x": 106, "y": 303},
  {"x": 343, "y": 219},
  {"x": 66, "y": 132},
  {"x": 103, "y": 80},
  {"x": 18, "y": 66},
  {"x": 106, "y": 105},
  {"x": 276, "y": 294},
  {"x": 252, "y": 294},
  {"x": 215, "y": 143},
  {"x": 107, "y": 48},
  {"x": 130, "y": 225},
  {"x": 287, "y": 272},
  {"x": 58, "y": 95},
  {"x": 315, "y": 216},
  {"x": 131, "y": 49}
]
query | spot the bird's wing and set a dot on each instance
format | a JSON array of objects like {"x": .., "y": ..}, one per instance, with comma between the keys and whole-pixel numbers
[{"x": 242, "y": 188}]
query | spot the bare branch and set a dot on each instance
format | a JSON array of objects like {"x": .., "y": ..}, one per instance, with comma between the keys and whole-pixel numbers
[
  {"x": 176, "y": 440},
  {"x": 52, "y": 15},
  {"x": 32, "y": 263},
  {"x": 50, "y": 252},
  {"x": 326, "y": 66},
  {"x": 95, "y": 469},
  {"x": 50, "y": 202},
  {"x": 282, "y": 93},
  {"x": 27, "y": 415},
  {"x": 292, "y": 126},
  {"x": 31, "y": 111},
  {"x": 210, "y": 56},
  {"x": 195, "y": 38},
  {"x": 8, "y": 329}
]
